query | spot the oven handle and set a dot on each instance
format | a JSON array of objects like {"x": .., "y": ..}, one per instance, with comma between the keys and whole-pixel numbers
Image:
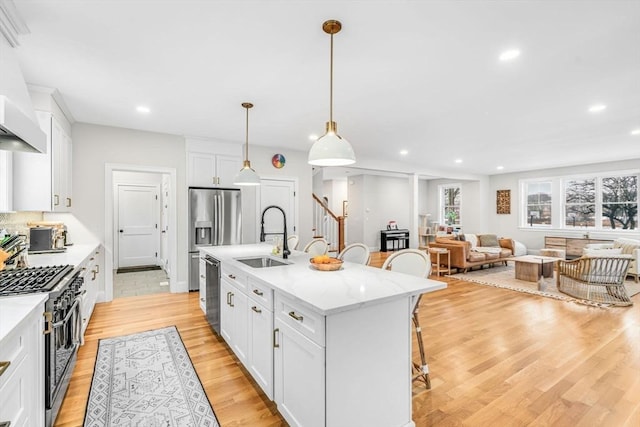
[{"x": 71, "y": 311}]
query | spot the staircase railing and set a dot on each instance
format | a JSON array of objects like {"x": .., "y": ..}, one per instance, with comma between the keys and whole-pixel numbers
[{"x": 328, "y": 225}]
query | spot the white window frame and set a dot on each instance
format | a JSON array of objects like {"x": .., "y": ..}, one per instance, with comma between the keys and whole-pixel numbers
[{"x": 442, "y": 219}]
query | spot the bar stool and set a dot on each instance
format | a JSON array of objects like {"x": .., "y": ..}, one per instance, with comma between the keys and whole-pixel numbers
[{"x": 414, "y": 262}]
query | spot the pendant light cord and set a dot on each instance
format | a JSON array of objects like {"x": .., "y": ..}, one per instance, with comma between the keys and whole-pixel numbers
[
  {"x": 331, "y": 85},
  {"x": 246, "y": 141}
]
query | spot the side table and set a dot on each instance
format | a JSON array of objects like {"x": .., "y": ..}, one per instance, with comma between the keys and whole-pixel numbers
[{"x": 439, "y": 252}]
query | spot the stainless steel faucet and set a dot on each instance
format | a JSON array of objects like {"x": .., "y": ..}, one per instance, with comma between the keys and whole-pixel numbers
[{"x": 285, "y": 248}]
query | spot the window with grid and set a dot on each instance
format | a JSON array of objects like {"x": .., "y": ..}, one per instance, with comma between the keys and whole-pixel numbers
[
  {"x": 450, "y": 204},
  {"x": 538, "y": 199},
  {"x": 620, "y": 202},
  {"x": 580, "y": 202}
]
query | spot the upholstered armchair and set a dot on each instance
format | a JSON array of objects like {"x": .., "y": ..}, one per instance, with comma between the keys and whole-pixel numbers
[{"x": 619, "y": 246}]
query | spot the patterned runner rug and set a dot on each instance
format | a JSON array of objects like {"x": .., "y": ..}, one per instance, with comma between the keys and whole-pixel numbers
[
  {"x": 147, "y": 379},
  {"x": 505, "y": 277}
]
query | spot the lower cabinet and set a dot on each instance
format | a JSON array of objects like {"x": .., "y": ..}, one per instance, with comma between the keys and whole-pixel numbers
[
  {"x": 234, "y": 319},
  {"x": 299, "y": 381},
  {"x": 260, "y": 355},
  {"x": 92, "y": 273},
  {"x": 24, "y": 349}
]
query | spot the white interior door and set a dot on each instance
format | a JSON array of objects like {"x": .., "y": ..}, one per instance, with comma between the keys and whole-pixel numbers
[
  {"x": 164, "y": 225},
  {"x": 280, "y": 193},
  {"x": 138, "y": 229}
]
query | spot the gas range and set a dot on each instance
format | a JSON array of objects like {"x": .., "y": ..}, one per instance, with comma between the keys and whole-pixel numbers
[{"x": 32, "y": 279}]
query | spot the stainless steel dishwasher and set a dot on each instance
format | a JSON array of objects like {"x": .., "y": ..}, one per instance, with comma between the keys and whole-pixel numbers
[{"x": 213, "y": 292}]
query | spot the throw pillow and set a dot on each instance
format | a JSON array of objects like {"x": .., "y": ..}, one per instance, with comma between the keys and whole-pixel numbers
[
  {"x": 471, "y": 238},
  {"x": 488, "y": 240}
]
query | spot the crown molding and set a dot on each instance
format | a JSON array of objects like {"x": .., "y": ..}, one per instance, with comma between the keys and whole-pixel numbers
[{"x": 11, "y": 23}]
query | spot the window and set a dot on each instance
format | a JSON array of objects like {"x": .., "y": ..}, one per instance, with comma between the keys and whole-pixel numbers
[
  {"x": 450, "y": 204},
  {"x": 580, "y": 202},
  {"x": 605, "y": 201},
  {"x": 538, "y": 199},
  {"x": 620, "y": 202}
]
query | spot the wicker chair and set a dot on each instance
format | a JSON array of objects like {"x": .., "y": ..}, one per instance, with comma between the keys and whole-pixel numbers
[{"x": 598, "y": 279}]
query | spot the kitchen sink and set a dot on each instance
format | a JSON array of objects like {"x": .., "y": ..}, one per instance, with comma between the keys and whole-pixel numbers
[{"x": 262, "y": 262}]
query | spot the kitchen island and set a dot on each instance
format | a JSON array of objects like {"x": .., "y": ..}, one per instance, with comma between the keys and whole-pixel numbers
[{"x": 330, "y": 348}]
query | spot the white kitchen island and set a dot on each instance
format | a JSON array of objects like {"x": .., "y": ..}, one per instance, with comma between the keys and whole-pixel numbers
[{"x": 330, "y": 348}]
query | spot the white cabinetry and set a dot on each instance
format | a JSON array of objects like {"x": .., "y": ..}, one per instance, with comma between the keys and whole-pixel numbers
[
  {"x": 233, "y": 313},
  {"x": 6, "y": 181},
  {"x": 91, "y": 269},
  {"x": 209, "y": 169},
  {"x": 23, "y": 347},
  {"x": 202, "y": 280},
  {"x": 246, "y": 324},
  {"x": 42, "y": 182}
]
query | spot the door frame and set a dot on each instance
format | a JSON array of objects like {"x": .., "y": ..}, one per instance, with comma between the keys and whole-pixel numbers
[
  {"x": 172, "y": 221},
  {"x": 296, "y": 198},
  {"x": 116, "y": 207}
]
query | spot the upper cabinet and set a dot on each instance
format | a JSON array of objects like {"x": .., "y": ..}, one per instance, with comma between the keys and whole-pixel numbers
[
  {"x": 42, "y": 182},
  {"x": 212, "y": 164},
  {"x": 6, "y": 181}
]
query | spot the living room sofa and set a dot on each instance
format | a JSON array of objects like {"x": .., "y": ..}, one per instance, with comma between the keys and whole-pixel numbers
[{"x": 475, "y": 250}]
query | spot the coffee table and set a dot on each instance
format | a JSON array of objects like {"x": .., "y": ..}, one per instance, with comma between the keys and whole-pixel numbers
[{"x": 531, "y": 267}]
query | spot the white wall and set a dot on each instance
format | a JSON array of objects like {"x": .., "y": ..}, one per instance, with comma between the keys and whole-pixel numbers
[
  {"x": 507, "y": 225},
  {"x": 474, "y": 203},
  {"x": 95, "y": 145},
  {"x": 296, "y": 167}
]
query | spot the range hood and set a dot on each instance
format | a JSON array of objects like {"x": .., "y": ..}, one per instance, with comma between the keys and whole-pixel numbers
[{"x": 17, "y": 131}]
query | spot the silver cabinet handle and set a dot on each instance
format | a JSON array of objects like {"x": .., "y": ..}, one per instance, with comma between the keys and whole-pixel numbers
[
  {"x": 202, "y": 276},
  {"x": 231, "y": 276},
  {"x": 275, "y": 338},
  {"x": 295, "y": 316},
  {"x": 258, "y": 292},
  {"x": 228, "y": 298},
  {"x": 231, "y": 299},
  {"x": 5, "y": 423},
  {"x": 256, "y": 309},
  {"x": 202, "y": 299},
  {"x": 68, "y": 202},
  {"x": 56, "y": 200},
  {"x": 4, "y": 365}
]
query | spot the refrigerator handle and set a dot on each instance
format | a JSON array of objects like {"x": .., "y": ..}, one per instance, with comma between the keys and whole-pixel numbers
[
  {"x": 220, "y": 223},
  {"x": 214, "y": 222}
]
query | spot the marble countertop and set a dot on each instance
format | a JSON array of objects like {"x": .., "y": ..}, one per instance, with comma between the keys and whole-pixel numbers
[
  {"x": 74, "y": 255},
  {"x": 15, "y": 308},
  {"x": 326, "y": 292}
]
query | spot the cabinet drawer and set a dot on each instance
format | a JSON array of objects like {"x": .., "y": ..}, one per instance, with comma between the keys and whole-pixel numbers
[
  {"x": 13, "y": 350},
  {"x": 234, "y": 276},
  {"x": 558, "y": 242},
  {"x": 303, "y": 320},
  {"x": 261, "y": 293}
]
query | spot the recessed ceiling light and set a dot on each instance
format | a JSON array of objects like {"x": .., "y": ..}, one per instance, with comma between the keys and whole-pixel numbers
[
  {"x": 500, "y": 168},
  {"x": 597, "y": 108},
  {"x": 143, "y": 109},
  {"x": 509, "y": 55},
  {"x": 404, "y": 152},
  {"x": 458, "y": 160},
  {"x": 313, "y": 137},
  {"x": 635, "y": 132}
]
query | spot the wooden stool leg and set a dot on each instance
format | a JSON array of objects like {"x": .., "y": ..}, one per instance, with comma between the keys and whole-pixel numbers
[{"x": 422, "y": 370}]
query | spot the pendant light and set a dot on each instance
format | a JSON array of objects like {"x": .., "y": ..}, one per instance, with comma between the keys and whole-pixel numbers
[
  {"x": 331, "y": 149},
  {"x": 247, "y": 176}
]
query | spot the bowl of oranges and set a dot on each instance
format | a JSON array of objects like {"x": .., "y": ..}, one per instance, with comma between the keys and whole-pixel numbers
[{"x": 325, "y": 263}]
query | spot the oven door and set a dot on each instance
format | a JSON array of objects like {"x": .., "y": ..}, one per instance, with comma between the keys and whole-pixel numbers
[{"x": 62, "y": 339}]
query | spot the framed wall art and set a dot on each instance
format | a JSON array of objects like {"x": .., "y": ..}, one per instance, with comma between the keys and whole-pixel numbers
[{"x": 503, "y": 202}]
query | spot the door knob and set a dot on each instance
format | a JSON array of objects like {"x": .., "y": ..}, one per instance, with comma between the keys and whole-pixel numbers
[{"x": 121, "y": 231}]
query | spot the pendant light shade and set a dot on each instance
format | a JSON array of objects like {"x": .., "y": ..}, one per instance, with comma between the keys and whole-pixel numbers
[
  {"x": 331, "y": 149},
  {"x": 247, "y": 176}
]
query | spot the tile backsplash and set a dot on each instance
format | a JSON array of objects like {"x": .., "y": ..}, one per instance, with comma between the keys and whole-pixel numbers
[{"x": 16, "y": 222}]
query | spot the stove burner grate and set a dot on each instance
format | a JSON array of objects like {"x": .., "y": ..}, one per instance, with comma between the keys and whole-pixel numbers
[{"x": 32, "y": 279}]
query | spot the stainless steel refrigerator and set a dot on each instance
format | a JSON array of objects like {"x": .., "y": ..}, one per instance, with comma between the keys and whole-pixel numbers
[{"x": 215, "y": 218}]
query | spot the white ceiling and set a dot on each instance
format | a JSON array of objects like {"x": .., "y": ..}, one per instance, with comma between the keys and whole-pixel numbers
[{"x": 417, "y": 75}]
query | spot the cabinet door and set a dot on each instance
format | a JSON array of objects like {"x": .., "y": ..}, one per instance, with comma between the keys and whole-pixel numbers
[
  {"x": 6, "y": 181},
  {"x": 226, "y": 312},
  {"x": 299, "y": 377},
  {"x": 240, "y": 339},
  {"x": 201, "y": 169},
  {"x": 202, "y": 281},
  {"x": 59, "y": 161},
  {"x": 261, "y": 346},
  {"x": 227, "y": 167}
]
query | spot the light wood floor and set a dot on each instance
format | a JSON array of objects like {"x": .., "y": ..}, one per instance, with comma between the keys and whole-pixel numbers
[{"x": 497, "y": 357}]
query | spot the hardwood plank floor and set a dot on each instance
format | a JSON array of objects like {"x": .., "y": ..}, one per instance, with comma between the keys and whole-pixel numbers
[{"x": 497, "y": 357}]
